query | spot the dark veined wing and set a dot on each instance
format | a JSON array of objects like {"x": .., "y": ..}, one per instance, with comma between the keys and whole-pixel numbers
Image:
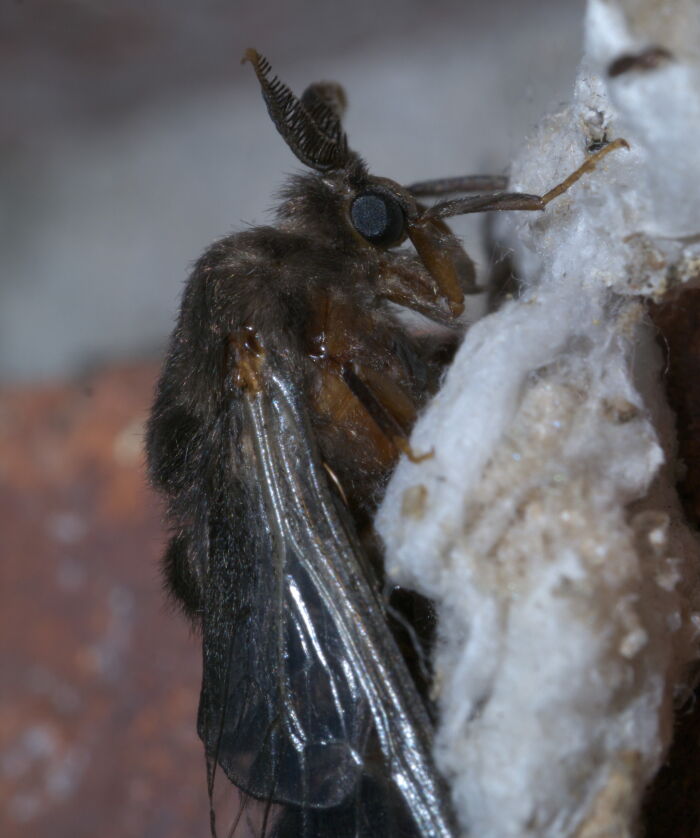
[{"x": 306, "y": 701}]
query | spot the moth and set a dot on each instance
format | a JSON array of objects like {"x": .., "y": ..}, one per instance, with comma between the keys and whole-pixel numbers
[{"x": 289, "y": 390}]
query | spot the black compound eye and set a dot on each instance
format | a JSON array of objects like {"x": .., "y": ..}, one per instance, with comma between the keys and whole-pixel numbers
[{"x": 379, "y": 218}]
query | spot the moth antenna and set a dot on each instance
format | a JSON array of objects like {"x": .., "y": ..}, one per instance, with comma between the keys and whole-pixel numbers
[
  {"x": 326, "y": 103},
  {"x": 311, "y": 125}
]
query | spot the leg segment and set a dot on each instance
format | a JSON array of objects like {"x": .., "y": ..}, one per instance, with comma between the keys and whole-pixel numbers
[
  {"x": 452, "y": 185},
  {"x": 519, "y": 200},
  {"x": 386, "y": 409}
]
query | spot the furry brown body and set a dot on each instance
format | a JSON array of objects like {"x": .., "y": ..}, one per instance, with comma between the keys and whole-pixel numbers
[{"x": 314, "y": 289}]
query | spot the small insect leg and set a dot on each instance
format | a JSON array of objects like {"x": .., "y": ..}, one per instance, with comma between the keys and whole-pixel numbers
[
  {"x": 520, "y": 200},
  {"x": 586, "y": 166},
  {"x": 452, "y": 185},
  {"x": 380, "y": 409}
]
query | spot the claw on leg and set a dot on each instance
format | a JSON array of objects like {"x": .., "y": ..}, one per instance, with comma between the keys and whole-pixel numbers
[{"x": 404, "y": 446}]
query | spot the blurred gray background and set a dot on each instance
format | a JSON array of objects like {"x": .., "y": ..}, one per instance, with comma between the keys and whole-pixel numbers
[{"x": 132, "y": 137}]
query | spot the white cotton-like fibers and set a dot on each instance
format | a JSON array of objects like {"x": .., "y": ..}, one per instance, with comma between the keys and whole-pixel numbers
[{"x": 545, "y": 525}]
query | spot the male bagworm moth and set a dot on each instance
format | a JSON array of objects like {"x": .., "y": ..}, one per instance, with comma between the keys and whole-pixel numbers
[{"x": 288, "y": 392}]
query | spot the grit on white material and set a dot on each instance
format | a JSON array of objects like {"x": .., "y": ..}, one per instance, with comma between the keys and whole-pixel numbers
[{"x": 545, "y": 525}]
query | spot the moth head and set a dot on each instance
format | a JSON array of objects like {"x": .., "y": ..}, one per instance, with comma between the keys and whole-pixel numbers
[
  {"x": 312, "y": 128},
  {"x": 346, "y": 203}
]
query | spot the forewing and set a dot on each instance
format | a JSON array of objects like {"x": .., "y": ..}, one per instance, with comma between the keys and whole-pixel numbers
[
  {"x": 282, "y": 710},
  {"x": 306, "y": 701}
]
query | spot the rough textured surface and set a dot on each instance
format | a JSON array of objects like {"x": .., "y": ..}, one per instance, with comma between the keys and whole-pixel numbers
[
  {"x": 99, "y": 681},
  {"x": 548, "y": 526}
]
